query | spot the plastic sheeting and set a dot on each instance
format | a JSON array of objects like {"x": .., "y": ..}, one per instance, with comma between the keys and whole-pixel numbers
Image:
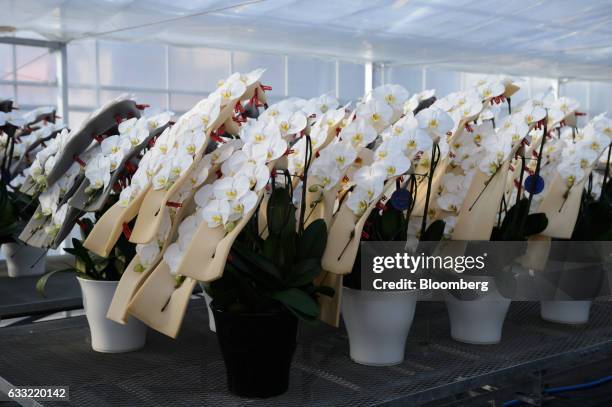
[{"x": 554, "y": 38}]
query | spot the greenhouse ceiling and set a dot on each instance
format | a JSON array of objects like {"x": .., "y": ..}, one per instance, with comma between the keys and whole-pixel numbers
[{"x": 554, "y": 38}]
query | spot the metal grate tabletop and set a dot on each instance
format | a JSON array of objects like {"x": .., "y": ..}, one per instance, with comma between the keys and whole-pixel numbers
[{"x": 189, "y": 371}]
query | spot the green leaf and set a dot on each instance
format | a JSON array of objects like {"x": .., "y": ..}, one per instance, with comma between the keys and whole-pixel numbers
[
  {"x": 258, "y": 261},
  {"x": 304, "y": 272},
  {"x": 42, "y": 281},
  {"x": 279, "y": 211},
  {"x": 535, "y": 224},
  {"x": 391, "y": 222},
  {"x": 297, "y": 300},
  {"x": 311, "y": 245},
  {"x": 434, "y": 232}
]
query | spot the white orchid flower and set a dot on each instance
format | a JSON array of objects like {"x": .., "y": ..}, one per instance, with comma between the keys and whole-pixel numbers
[
  {"x": 216, "y": 212},
  {"x": 435, "y": 121},
  {"x": 450, "y": 202},
  {"x": 126, "y": 196},
  {"x": 231, "y": 188},
  {"x": 320, "y": 105},
  {"x": 394, "y": 164},
  {"x": 377, "y": 113},
  {"x": 242, "y": 206},
  {"x": 187, "y": 230},
  {"x": 97, "y": 171},
  {"x": 173, "y": 257},
  {"x": 230, "y": 90},
  {"x": 327, "y": 173},
  {"x": 204, "y": 195},
  {"x": 331, "y": 118},
  {"x": 147, "y": 253},
  {"x": 358, "y": 201},
  {"x": 318, "y": 135},
  {"x": 342, "y": 153},
  {"x": 571, "y": 171},
  {"x": 200, "y": 173},
  {"x": 290, "y": 123},
  {"x": 415, "y": 141},
  {"x": 491, "y": 89},
  {"x": 394, "y": 95},
  {"x": 359, "y": 133},
  {"x": 157, "y": 121},
  {"x": 534, "y": 114},
  {"x": 370, "y": 179},
  {"x": 49, "y": 199}
]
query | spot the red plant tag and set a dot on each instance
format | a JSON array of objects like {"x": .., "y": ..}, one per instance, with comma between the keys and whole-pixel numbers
[
  {"x": 78, "y": 160},
  {"x": 174, "y": 204},
  {"x": 127, "y": 232}
]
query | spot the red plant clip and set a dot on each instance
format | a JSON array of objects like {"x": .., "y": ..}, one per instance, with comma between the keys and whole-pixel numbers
[
  {"x": 273, "y": 173},
  {"x": 78, "y": 160},
  {"x": 534, "y": 154},
  {"x": 217, "y": 138},
  {"x": 365, "y": 235},
  {"x": 82, "y": 225},
  {"x": 266, "y": 87},
  {"x": 218, "y": 173},
  {"x": 338, "y": 130},
  {"x": 469, "y": 128},
  {"x": 525, "y": 142},
  {"x": 118, "y": 119},
  {"x": 142, "y": 106},
  {"x": 99, "y": 139},
  {"x": 238, "y": 107},
  {"x": 317, "y": 154},
  {"x": 174, "y": 204},
  {"x": 117, "y": 187},
  {"x": 255, "y": 100},
  {"x": 127, "y": 232},
  {"x": 239, "y": 119},
  {"x": 580, "y": 113},
  {"x": 131, "y": 168},
  {"x": 380, "y": 205}
]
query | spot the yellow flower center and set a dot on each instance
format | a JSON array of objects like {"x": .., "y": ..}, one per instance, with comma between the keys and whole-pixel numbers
[
  {"x": 390, "y": 98},
  {"x": 231, "y": 194},
  {"x": 433, "y": 124},
  {"x": 375, "y": 117},
  {"x": 259, "y": 137}
]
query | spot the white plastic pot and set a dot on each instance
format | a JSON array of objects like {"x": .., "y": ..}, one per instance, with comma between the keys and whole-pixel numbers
[
  {"x": 21, "y": 260},
  {"x": 106, "y": 335},
  {"x": 565, "y": 312},
  {"x": 378, "y": 323},
  {"x": 479, "y": 321}
]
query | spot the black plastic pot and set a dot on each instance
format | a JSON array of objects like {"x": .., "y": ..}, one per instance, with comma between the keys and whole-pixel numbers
[{"x": 257, "y": 349}]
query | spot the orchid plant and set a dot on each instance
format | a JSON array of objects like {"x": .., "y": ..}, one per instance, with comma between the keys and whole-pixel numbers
[{"x": 21, "y": 137}]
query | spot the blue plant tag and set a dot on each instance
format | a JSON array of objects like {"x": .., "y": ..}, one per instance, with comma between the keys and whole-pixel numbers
[
  {"x": 401, "y": 199},
  {"x": 534, "y": 184}
]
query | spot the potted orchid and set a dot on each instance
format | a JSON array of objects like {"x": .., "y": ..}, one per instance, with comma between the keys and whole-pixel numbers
[
  {"x": 98, "y": 277},
  {"x": 94, "y": 185},
  {"x": 370, "y": 173},
  {"x": 21, "y": 138},
  {"x": 267, "y": 286},
  {"x": 582, "y": 168}
]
